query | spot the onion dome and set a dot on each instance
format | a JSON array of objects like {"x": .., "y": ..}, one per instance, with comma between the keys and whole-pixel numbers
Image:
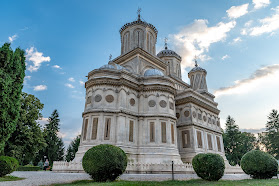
[
  {"x": 138, "y": 22},
  {"x": 197, "y": 68},
  {"x": 169, "y": 53},
  {"x": 153, "y": 72}
]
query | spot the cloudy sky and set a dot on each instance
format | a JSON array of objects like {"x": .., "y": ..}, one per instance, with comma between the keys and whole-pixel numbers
[{"x": 236, "y": 41}]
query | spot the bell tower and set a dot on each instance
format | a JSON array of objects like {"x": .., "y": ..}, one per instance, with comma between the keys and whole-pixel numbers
[{"x": 198, "y": 78}]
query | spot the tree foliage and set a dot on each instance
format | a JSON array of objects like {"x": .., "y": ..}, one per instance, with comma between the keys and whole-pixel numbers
[
  {"x": 236, "y": 143},
  {"x": 28, "y": 138},
  {"x": 12, "y": 72},
  {"x": 72, "y": 149},
  {"x": 55, "y": 146},
  {"x": 271, "y": 139}
]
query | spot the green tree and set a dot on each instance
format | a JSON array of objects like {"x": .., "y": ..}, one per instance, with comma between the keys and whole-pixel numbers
[
  {"x": 12, "y": 72},
  {"x": 72, "y": 149},
  {"x": 236, "y": 144},
  {"x": 28, "y": 138},
  {"x": 271, "y": 139},
  {"x": 55, "y": 147}
]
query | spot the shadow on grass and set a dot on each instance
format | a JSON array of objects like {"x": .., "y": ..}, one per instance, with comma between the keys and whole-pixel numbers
[
  {"x": 10, "y": 178},
  {"x": 188, "y": 182}
]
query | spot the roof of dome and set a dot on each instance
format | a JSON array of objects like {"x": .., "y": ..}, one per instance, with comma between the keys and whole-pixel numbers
[
  {"x": 138, "y": 21},
  {"x": 197, "y": 68},
  {"x": 168, "y": 52},
  {"x": 113, "y": 66},
  {"x": 153, "y": 72},
  {"x": 107, "y": 67}
]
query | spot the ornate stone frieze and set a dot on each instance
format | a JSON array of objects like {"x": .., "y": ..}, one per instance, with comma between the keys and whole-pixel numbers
[
  {"x": 187, "y": 113},
  {"x": 152, "y": 103},
  {"x": 163, "y": 103},
  {"x": 98, "y": 98},
  {"x": 109, "y": 98}
]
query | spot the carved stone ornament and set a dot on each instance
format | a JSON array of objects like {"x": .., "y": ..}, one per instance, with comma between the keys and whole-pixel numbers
[
  {"x": 194, "y": 114},
  {"x": 128, "y": 93},
  {"x": 116, "y": 91},
  {"x": 98, "y": 98},
  {"x": 109, "y": 98},
  {"x": 204, "y": 118},
  {"x": 200, "y": 116},
  {"x": 88, "y": 101},
  {"x": 177, "y": 115},
  {"x": 151, "y": 103},
  {"x": 187, "y": 113},
  {"x": 132, "y": 101},
  {"x": 218, "y": 123},
  {"x": 171, "y": 106},
  {"x": 163, "y": 104}
]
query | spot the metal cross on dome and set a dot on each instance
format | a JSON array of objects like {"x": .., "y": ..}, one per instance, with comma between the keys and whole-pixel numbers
[
  {"x": 110, "y": 56},
  {"x": 196, "y": 62},
  {"x": 166, "y": 43},
  {"x": 138, "y": 12}
]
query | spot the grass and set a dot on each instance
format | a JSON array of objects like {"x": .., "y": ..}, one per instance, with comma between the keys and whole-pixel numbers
[
  {"x": 10, "y": 178},
  {"x": 253, "y": 182}
]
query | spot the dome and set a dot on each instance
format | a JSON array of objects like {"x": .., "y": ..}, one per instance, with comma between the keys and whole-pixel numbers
[
  {"x": 197, "y": 68},
  {"x": 138, "y": 22},
  {"x": 107, "y": 67},
  {"x": 168, "y": 53},
  {"x": 114, "y": 66},
  {"x": 153, "y": 72}
]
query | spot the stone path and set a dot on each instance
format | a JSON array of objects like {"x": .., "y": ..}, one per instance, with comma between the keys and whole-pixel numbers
[{"x": 48, "y": 178}]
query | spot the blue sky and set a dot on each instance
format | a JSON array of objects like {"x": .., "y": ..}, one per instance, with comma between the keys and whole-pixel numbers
[{"x": 236, "y": 42}]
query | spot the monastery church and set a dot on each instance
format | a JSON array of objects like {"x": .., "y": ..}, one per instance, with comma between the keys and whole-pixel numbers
[{"x": 139, "y": 103}]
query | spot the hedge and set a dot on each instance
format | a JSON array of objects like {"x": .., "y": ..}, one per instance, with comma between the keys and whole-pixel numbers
[
  {"x": 7, "y": 165},
  {"x": 28, "y": 168},
  {"x": 209, "y": 166},
  {"x": 259, "y": 164},
  {"x": 104, "y": 162}
]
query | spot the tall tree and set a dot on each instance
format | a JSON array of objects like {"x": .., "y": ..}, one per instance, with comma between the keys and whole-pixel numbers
[
  {"x": 271, "y": 139},
  {"x": 236, "y": 144},
  {"x": 12, "y": 72},
  {"x": 72, "y": 149},
  {"x": 55, "y": 147},
  {"x": 28, "y": 138}
]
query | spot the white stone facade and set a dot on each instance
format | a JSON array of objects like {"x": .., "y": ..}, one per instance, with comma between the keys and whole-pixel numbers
[{"x": 139, "y": 103}]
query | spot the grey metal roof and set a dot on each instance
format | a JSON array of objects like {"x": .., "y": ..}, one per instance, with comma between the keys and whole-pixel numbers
[
  {"x": 197, "y": 68},
  {"x": 169, "y": 53},
  {"x": 139, "y": 22},
  {"x": 153, "y": 72}
]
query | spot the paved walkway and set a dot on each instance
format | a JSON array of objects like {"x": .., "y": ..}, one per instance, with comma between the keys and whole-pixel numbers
[{"x": 47, "y": 178}]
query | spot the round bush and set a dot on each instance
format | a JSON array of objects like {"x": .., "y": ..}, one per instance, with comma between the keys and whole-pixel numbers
[
  {"x": 259, "y": 164},
  {"x": 209, "y": 166},
  {"x": 7, "y": 165},
  {"x": 104, "y": 162}
]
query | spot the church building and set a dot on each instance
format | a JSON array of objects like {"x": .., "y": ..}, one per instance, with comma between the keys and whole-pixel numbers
[{"x": 139, "y": 103}]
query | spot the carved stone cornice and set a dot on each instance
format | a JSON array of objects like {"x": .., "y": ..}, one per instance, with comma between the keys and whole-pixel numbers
[
  {"x": 219, "y": 131},
  {"x": 135, "y": 86},
  {"x": 121, "y": 111},
  {"x": 191, "y": 99}
]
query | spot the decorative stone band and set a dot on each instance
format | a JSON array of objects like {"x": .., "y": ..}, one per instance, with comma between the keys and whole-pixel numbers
[
  {"x": 128, "y": 113},
  {"x": 127, "y": 83},
  {"x": 191, "y": 99},
  {"x": 151, "y": 168}
]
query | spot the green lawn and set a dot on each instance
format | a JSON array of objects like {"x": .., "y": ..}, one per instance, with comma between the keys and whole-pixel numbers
[
  {"x": 189, "y": 182},
  {"x": 10, "y": 178}
]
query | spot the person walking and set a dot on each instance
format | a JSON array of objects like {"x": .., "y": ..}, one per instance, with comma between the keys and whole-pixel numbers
[{"x": 46, "y": 165}]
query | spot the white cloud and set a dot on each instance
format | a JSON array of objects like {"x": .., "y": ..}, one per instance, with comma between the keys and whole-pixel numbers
[
  {"x": 27, "y": 77},
  {"x": 69, "y": 85},
  {"x": 237, "y": 11},
  {"x": 269, "y": 24},
  {"x": 225, "y": 57},
  {"x": 265, "y": 74},
  {"x": 12, "y": 38},
  {"x": 42, "y": 121},
  {"x": 81, "y": 82},
  {"x": 196, "y": 38},
  {"x": 260, "y": 3},
  {"x": 40, "y": 87},
  {"x": 71, "y": 79},
  {"x": 56, "y": 66},
  {"x": 236, "y": 40},
  {"x": 36, "y": 58}
]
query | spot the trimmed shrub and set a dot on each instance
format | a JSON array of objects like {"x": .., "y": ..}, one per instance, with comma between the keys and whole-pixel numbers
[
  {"x": 259, "y": 164},
  {"x": 209, "y": 166},
  {"x": 7, "y": 165},
  {"x": 28, "y": 168},
  {"x": 104, "y": 162}
]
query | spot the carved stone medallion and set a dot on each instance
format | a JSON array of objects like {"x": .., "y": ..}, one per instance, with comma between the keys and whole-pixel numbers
[
  {"x": 200, "y": 116},
  {"x": 98, "y": 98},
  {"x": 163, "y": 104},
  {"x": 151, "y": 103},
  {"x": 194, "y": 114},
  {"x": 132, "y": 101},
  {"x": 187, "y": 113},
  {"x": 109, "y": 98},
  {"x": 177, "y": 115}
]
